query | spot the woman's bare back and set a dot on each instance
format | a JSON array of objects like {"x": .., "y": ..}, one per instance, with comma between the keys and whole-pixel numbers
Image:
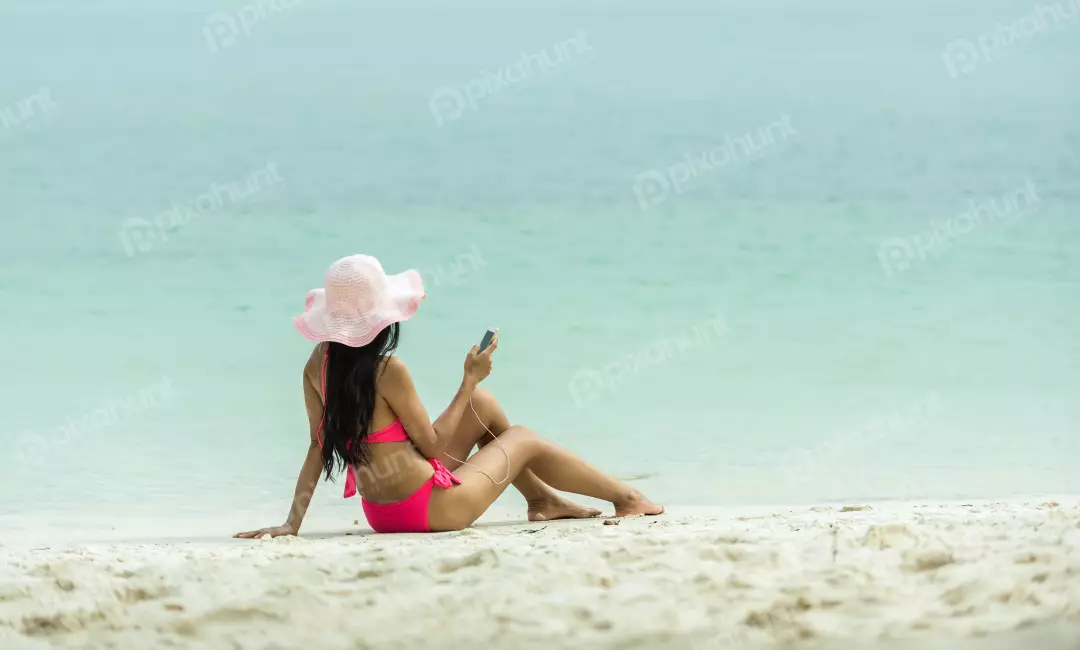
[{"x": 396, "y": 469}]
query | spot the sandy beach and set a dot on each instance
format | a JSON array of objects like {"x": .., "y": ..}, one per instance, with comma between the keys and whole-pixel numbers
[{"x": 990, "y": 575}]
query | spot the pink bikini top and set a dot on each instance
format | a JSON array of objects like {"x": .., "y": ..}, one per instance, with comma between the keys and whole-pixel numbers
[{"x": 393, "y": 433}]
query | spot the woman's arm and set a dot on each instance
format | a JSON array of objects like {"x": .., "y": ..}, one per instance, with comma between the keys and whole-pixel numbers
[
  {"x": 309, "y": 472},
  {"x": 399, "y": 391}
]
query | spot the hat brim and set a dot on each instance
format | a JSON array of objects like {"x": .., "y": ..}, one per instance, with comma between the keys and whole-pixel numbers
[{"x": 400, "y": 302}]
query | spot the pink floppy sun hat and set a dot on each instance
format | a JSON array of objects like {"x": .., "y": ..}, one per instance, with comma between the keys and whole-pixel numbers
[{"x": 359, "y": 301}]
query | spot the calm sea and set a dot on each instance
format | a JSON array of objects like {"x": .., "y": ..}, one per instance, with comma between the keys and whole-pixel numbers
[{"x": 761, "y": 251}]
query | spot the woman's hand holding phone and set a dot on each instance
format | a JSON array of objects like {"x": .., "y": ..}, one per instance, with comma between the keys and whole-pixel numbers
[{"x": 478, "y": 364}]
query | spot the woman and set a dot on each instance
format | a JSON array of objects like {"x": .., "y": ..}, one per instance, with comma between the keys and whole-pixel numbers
[{"x": 365, "y": 417}]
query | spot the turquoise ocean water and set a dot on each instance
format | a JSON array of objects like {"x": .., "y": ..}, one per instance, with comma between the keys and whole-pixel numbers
[{"x": 769, "y": 252}]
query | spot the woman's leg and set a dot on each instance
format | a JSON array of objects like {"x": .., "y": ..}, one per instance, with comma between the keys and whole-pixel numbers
[
  {"x": 460, "y": 506},
  {"x": 544, "y": 503}
]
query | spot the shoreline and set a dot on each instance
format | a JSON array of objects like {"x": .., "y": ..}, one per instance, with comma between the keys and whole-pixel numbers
[{"x": 818, "y": 577}]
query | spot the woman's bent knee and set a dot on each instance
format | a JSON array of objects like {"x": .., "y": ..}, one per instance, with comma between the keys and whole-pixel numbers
[
  {"x": 489, "y": 411},
  {"x": 519, "y": 431},
  {"x": 523, "y": 437},
  {"x": 483, "y": 399}
]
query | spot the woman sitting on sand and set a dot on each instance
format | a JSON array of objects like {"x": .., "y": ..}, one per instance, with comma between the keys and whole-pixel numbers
[{"x": 365, "y": 417}]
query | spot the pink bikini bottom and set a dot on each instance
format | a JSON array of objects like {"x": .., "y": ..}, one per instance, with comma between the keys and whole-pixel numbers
[{"x": 410, "y": 515}]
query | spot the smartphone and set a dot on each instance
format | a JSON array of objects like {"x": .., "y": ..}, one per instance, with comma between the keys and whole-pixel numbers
[{"x": 492, "y": 331}]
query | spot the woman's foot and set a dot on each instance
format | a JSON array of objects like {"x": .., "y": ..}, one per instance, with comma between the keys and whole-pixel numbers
[
  {"x": 559, "y": 508},
  {"x": 636, "y": 505}
]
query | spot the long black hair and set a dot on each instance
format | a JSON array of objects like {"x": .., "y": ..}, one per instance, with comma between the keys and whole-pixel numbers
[{"x": 351, "y": 377}]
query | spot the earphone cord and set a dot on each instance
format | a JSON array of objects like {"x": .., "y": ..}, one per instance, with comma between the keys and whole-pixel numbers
[{"x": 497, "y": 441}]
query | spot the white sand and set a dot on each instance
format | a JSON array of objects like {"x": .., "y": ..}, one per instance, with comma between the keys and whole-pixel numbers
[{"x": 1000, "y": 575}]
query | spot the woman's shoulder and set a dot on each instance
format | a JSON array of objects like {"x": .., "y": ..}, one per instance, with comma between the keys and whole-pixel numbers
[
  {"x": 393, "y": 374},
  {"x": 313, "y": 367},
  {"x": 393, "y": 368}
]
